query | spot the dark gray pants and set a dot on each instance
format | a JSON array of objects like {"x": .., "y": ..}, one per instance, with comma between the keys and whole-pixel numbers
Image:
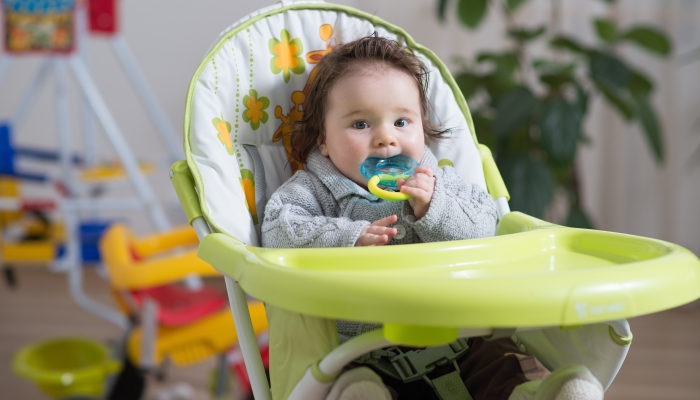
[{"x": 487, "y": 372}]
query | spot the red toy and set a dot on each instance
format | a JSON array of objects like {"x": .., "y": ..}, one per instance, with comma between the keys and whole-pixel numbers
[{"x": 103, "y": 16}]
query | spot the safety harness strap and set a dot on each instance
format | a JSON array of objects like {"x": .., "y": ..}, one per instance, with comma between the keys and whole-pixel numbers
[
  {"x": 415, "y": 365},
  {"x": 451, "y": 387}
]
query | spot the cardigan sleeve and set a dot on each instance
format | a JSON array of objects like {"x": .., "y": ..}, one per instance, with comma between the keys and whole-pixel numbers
[
  {"x": 295, "y": 217},
  {"x": 458, "y": 210}
]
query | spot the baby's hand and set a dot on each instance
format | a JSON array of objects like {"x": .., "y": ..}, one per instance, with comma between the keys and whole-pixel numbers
[
  {"x": 377, "y": 234},
  {"x": 420, "y": 186}
]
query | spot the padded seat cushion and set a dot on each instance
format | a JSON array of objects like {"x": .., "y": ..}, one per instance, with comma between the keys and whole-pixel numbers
[{"x": 251, "y": 86}]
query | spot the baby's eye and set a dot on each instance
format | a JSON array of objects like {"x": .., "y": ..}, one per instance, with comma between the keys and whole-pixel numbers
[
  {"x": 401, "y": 123},
  {"x": 360, "y": 125}
]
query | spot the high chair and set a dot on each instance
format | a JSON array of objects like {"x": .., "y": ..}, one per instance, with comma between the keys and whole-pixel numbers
[{"x": 563, "y": 294}]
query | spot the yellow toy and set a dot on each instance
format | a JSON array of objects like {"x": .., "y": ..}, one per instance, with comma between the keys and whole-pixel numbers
[
  {"x": 19, "y": 222},
  {"x": 106, "y": 172},
  {"x": 185, "y": 325}
]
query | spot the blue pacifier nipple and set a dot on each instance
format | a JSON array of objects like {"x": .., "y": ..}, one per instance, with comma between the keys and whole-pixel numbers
[{"x": 389, "y": 170}]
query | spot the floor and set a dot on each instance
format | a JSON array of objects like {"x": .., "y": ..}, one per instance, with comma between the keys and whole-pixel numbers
[{"x": 663, "y": 363}]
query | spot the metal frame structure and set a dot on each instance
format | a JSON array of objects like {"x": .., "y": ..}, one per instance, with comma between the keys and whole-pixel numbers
[{"x": 94, "y": 107}]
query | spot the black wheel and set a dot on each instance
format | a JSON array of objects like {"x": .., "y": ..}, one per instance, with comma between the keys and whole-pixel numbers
[{"x": 129, "y": 384}]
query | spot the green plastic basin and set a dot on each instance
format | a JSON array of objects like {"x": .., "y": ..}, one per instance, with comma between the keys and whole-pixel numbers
[{"x": 66, "y": 366}]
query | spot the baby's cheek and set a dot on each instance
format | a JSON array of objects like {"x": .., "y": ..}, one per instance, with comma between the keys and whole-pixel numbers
[
  {"x": 355, "y": 152},
  {"x": 355, "y": 147}
]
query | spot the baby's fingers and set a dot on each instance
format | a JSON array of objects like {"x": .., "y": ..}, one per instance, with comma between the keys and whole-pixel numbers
[
  {"x": 410, "y": 186},
  {"x": 424, "y": 169},
  {"x": 374, "y": 240},
  {"x": 381, "y": 230},
  {"x": 385, "y": 221},
  {"x": 412, "y": 191}
]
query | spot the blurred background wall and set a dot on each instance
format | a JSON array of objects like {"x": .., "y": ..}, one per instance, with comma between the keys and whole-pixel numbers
[{"x": 623, "y": 188}]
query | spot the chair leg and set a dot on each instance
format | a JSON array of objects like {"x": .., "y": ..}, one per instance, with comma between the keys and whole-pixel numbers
[
  {"x": 220, "y": 385},
  {"x": 247, "y": 340},
  {"x": 149, "y": 324}
]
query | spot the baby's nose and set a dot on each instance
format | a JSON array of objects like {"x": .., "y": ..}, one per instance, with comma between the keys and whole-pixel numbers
[{"x": 384, "y": 137}]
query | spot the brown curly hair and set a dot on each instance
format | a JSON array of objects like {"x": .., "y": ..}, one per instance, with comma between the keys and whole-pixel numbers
[{"x": 343, "y": 60}]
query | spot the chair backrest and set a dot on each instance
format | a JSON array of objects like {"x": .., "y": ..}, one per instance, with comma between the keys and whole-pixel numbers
[{"x": 252, "y": 83}]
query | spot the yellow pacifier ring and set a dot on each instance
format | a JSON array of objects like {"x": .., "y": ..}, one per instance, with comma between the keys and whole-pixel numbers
[{"x": 384, "y": 194}]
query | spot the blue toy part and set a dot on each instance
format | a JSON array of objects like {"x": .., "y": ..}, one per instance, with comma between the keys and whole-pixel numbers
[
  {"x": 7, "y": 153},
  {"x": 39, "y": 6},
  {"x": 90, "y": 234},
  {"x": 389, "y": 169},
  {"x": 10, "y": 153}
]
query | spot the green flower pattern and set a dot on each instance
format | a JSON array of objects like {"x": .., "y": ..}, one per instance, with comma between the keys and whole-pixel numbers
[{"x": 255, "y": 106}]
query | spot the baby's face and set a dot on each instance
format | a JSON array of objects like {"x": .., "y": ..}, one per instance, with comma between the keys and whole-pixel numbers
[{"x": 372, "y": 113}]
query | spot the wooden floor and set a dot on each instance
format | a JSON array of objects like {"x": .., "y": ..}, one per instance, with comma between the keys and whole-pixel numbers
[{"x": 663, "y": 363}]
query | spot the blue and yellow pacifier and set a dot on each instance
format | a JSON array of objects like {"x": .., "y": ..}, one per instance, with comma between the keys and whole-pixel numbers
[{"x": 385, "y": 172}]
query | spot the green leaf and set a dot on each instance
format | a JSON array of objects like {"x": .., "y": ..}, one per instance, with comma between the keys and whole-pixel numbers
[
  {"x": 471, "y": 12},
  {"x": 482, "y": 125},
  {"x": 513, "y": 4},
  {"x": 556, "y": 80},
  {"x": 502, "y": 77},
  {"x": 639, "y": 84},
  {"x": 529, "y": 182},
  {"x": 567, "y": 43},
  {"x": 497, "y": 86},
  {"x": 505, "y": 64},
  {"x": 526, "y": 34},
  {"x": 622, "y": 104},
  {"x": 650, "y": 123},
  {"x": 584, "y": 138},
  {"x": 543, "y": 64},
  {"x": 560, "y": 126},
  {"x": 650, "y": 39},
  {"x": 606, "y": 30},
  {"x": 514, "y": 110},
  {"x": 441, "y": 8},
  {"x": 467, "y": 83},
  {"x": 581, "y": 99},
  {"x": 577, "y": 218},
  {"x": 539, "y": 63},
  {"x": 499, "y": 59},
  {"x": 608, "y": 69}
]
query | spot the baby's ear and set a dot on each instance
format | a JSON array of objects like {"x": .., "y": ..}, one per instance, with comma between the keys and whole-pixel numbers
[{"x": 322, "y": 146}]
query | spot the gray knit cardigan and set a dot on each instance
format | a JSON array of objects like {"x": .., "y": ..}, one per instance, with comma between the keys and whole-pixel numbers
[{"x": 320, "y": 207}]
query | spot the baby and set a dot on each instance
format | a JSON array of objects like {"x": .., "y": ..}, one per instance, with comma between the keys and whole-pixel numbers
[{"x": 368, "y": 99}]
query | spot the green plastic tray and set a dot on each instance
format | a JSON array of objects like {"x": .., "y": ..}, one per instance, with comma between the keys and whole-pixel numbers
[{"x": 533, "y": 274}]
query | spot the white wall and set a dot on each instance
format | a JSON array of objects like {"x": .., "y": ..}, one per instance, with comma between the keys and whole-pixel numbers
[{"x": 623, "y": 189}]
